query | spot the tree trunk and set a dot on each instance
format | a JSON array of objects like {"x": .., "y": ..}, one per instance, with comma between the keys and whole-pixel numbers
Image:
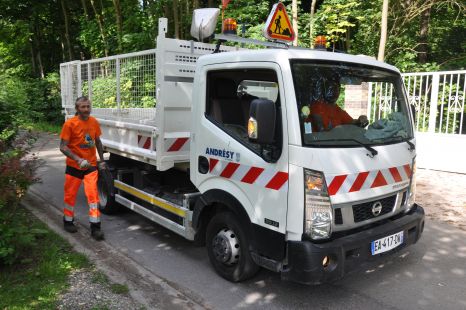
[
  {"x": 100, "y": 23},
  {"x": 37, "y": 42},
  {"x": 423, "y": 36},
  {"x": 210, "y": 3},
  {"x": 294, "y": 13},
  {"x": 86, "y": 13},
  {"x": 180, "y": 18},
  {"x": 33, "y": 58},
  {"x": 63, "y": 48},
  {"x": 195, "y": 4},
  {"x": 67, "y": 30},
  {"x": 347, "y": 40},
  {"x": 119, "y": 22},
  {"x": 41, "y": 67},
  {"x": 176, "y": 19},
  {"x": 383, "y": 32},
  {"x": 311, "y": 23}
]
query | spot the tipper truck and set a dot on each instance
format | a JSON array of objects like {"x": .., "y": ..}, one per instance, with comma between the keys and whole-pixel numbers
[{"x": 219, "y": 145}]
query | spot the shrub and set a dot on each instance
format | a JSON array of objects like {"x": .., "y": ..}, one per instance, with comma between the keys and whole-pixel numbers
[{"x": 16, "y": 174}]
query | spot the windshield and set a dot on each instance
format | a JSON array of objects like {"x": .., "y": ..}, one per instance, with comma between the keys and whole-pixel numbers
[{"x": 342, "y": 104}]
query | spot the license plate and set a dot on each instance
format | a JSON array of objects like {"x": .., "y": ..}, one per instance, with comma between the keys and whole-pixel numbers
[{"x": 386, "y": 243}]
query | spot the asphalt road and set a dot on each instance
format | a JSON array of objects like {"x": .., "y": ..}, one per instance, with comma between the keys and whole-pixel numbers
[{"x": 429, "y": 275}]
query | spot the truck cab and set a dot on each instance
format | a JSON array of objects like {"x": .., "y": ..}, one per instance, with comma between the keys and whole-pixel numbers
[{"x": 313, "y": 202}]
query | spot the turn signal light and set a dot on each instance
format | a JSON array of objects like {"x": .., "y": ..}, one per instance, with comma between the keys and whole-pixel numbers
[
  {"x": 320, "y": 42},
  {"x": 252, "y": 128},
  {"x": 229, "y": 26}
]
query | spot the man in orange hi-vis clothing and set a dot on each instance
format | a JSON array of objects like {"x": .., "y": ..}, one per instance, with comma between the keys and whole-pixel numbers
[{"x": 79, "y": 142}]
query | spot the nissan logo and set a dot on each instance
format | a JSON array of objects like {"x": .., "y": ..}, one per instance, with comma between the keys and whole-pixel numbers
[{"x": 377, "y": 208}]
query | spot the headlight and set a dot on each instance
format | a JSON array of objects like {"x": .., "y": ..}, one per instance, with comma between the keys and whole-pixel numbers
[{"x": 318, "y": 210}]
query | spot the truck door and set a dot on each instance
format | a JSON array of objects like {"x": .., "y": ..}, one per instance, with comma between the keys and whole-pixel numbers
[{"x": 225, "y": 159}]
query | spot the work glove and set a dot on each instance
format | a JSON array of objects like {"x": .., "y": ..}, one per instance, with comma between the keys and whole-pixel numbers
[{"x": 83, "y": 164}]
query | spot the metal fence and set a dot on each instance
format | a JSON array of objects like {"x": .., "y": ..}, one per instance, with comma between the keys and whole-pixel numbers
[
  {"x": 439, "y": 99},
  {"x": 121, "y": 86}
]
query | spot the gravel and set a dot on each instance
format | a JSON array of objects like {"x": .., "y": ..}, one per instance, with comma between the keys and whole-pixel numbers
[
  {"x": 443, "y": 196},
  {"x": 90, "y": 289}
]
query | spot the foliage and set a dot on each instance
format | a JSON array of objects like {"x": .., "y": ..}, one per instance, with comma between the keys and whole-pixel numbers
[
  {"x": 41, "y": 275},
  {"x": 335, "y": 18},
  {"x": 36, "y": 36},
  {"x": 15, "y": 177},
  {"x": 137, "y": 88}
]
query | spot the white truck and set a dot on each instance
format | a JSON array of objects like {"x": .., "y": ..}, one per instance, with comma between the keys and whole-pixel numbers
[{"x": 221, "y": 149}]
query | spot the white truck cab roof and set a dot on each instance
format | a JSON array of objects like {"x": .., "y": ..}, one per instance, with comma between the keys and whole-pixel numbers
[{"x": 284, "y": 55}]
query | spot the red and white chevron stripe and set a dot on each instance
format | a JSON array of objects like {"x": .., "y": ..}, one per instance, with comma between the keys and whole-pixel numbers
[
  {"x": 177, "y": 144},
  {"x": 349, "y": 183},
  {"x": 268, "y": 178},
  {"x": 144, "y": 142}
]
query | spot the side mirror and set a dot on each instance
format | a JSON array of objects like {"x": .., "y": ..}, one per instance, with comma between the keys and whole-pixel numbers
[{"x": 261, "y": 124}]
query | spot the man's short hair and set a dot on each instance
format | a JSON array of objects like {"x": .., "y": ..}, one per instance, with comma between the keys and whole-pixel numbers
[{"x": 81, "y": 99}]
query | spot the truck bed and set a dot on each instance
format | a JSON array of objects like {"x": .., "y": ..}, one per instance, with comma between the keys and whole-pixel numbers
[{"x": 142, "y": 100}]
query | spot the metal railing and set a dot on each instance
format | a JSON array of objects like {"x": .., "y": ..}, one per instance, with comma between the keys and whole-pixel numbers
[{"x": 439, "y": 99}]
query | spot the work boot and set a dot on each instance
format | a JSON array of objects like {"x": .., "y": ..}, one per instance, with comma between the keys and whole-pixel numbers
[
  {"x": 69, "y": 226},
  {"x": 96, "y": 232}
]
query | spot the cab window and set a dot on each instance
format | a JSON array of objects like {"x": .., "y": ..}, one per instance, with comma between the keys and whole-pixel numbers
[{"x": 229, "y": 97}]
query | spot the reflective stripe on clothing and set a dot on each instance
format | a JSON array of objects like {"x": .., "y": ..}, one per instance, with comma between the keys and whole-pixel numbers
[
  {"x": 94, "y": 213},
  {"x": 68, "y": 212}
]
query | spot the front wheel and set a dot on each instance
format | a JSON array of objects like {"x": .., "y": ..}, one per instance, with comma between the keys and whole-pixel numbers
[{"x": 228, "y": 248}]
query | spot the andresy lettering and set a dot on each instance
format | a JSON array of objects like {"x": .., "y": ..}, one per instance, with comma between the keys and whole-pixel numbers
[{"x": 220, "y": 153}]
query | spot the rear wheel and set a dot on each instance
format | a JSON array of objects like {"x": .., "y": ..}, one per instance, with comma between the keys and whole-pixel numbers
[
  {"x": 228, "y": 248},
  {"x": 107, "y": 203}
]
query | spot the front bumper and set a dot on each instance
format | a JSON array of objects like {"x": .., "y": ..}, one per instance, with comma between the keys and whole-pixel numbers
[{"x": 349, "y": 252}]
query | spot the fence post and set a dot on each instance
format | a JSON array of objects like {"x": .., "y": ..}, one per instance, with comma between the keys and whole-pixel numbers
[
  {"x": 433, "y": 101},
  {"x": 369, "y": 102},
  {"x": 89, "y": 81},
  {"x": 79, "y": 91},
  {"x": 118, "y": 86}
]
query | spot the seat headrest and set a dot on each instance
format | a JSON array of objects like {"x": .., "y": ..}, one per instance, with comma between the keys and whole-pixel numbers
[{"x": 225, "y": 88}]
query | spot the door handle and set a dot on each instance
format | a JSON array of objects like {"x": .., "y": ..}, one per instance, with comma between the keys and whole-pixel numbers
[{"x": 202, "y": 165}]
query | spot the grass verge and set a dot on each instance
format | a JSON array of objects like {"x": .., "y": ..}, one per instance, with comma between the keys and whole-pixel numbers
[
  {"x": 41, "y": 275},
  {"x": 42, "y": 126}
]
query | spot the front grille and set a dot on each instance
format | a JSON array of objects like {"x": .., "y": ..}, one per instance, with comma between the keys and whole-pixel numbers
[
  {"x": 338, "y": 217},
  {"x": 363, "y": 211}
]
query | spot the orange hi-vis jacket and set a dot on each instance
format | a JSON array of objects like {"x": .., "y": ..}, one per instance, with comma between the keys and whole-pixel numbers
[{"x": 81, "y": 136}]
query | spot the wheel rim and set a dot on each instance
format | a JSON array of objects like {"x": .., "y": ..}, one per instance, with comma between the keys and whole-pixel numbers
[
  {"x": 226, "y": 247},
  {"x": 103, "y": 195}
]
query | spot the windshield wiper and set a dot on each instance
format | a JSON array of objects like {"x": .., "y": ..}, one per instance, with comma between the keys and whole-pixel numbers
[
  {"x": 412, "y": 147},
  {"x": 367, "y": 147}
]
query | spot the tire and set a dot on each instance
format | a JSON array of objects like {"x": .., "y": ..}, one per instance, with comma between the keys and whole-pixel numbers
[
  {"x": 107, "y": 203},
  {"x": 228, "y": 248}
]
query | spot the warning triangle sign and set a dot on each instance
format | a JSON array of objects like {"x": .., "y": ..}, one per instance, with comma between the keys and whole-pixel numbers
[{"x": 278, "y": 25}]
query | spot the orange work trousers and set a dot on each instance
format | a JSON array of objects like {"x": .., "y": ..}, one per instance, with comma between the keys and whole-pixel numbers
[{"x": 73, "y": 180}]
